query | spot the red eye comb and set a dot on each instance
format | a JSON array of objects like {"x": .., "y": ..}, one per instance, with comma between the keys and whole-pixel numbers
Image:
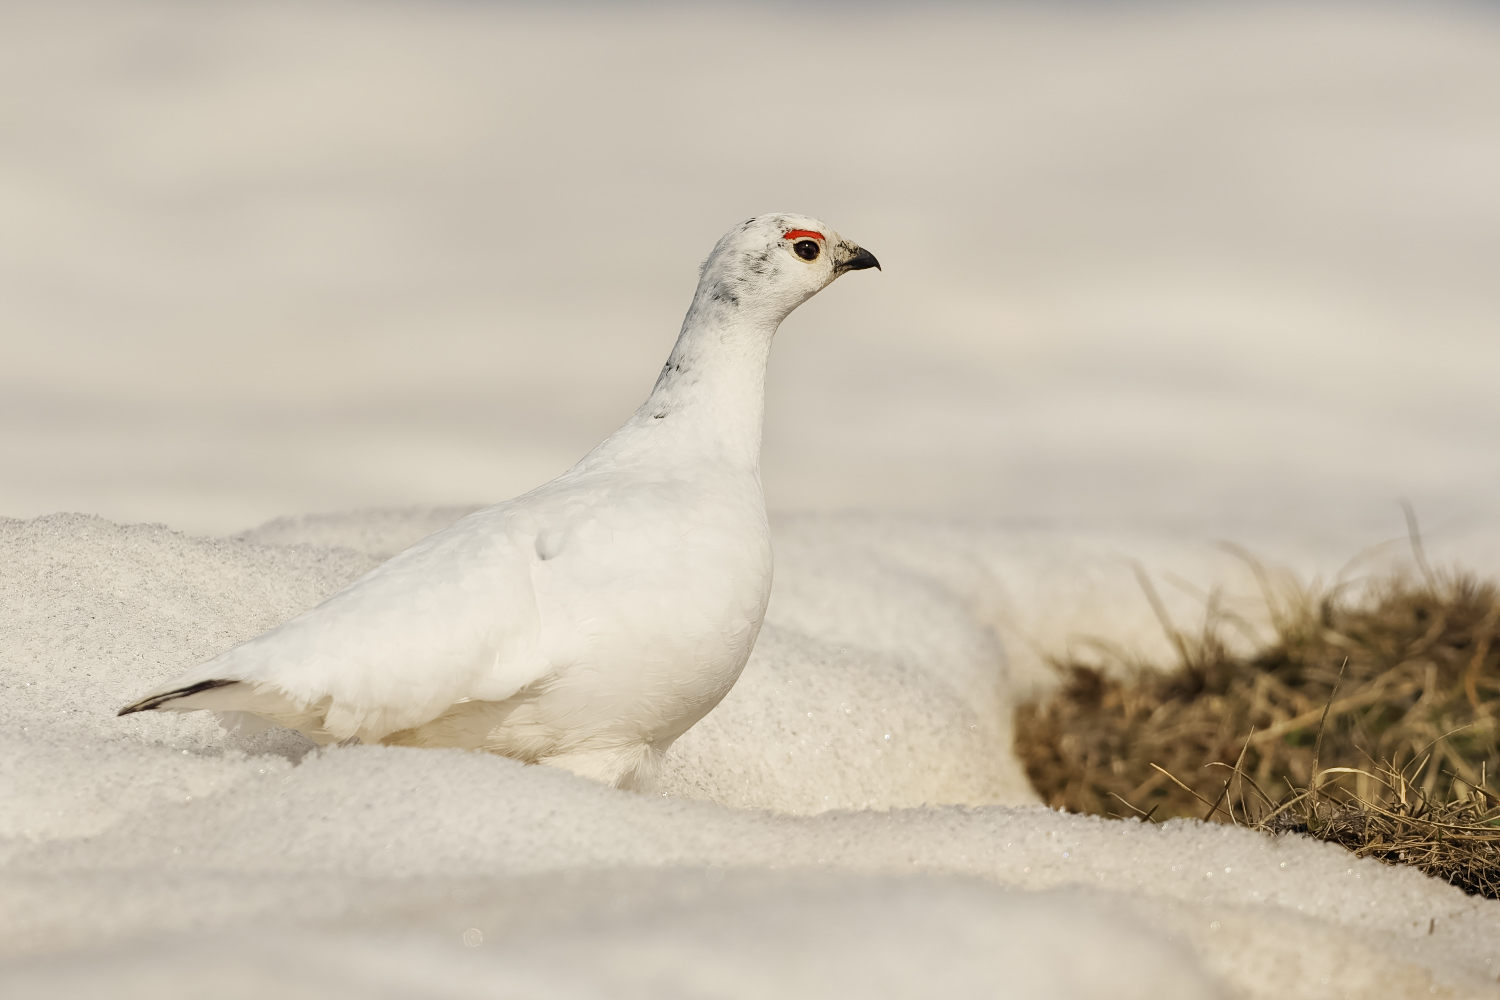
[{"x": 802, "y": 234}]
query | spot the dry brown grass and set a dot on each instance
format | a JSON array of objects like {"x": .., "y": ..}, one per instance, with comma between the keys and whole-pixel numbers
[{"x": 1369, "y": 721}]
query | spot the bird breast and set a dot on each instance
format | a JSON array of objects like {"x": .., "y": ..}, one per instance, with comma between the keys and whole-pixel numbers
[{"x": 649, "y": 597}]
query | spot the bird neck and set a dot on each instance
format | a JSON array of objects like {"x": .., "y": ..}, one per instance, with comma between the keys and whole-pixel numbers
[{"x": 709, "y": 401}]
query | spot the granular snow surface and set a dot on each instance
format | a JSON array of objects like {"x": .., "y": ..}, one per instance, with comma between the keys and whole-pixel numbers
[{"x": 850, "y": 820}]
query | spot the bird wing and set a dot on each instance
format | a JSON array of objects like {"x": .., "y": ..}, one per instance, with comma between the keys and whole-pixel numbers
[{"x": 452, "y": 618}]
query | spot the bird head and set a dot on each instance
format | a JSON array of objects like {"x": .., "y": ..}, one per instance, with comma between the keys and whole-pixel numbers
[{"x": 767, "y": 266}]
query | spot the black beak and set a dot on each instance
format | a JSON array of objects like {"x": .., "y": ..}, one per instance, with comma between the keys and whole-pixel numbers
[{"x": 862, "y": 259}]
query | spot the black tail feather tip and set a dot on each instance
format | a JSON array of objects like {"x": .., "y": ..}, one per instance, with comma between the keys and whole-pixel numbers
[{"x": 156, "y": 701}]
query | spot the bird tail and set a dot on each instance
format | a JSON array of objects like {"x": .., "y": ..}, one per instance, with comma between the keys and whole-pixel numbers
[
  {"x": 236, "y": 702},
  {"x": 188, "y": 698}
]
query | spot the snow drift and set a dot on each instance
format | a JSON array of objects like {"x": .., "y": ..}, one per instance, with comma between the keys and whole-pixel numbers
[{"x": 165, "y": 854}]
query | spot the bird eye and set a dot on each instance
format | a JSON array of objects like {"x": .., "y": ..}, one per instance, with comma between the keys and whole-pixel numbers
[{"x": 807, "y": 249}]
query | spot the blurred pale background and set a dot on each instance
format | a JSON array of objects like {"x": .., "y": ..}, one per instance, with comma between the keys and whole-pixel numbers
[{"x": 1182, "y": 265}]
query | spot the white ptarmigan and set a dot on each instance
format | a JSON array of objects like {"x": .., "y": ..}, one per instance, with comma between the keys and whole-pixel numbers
[{"x": 586, "y": 624}]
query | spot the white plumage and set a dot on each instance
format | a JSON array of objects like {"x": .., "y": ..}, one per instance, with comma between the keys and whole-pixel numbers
[{"x": 592, "y": 621}]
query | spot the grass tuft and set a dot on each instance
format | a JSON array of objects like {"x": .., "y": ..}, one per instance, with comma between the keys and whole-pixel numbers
[{"x": 1369, "y": 721}]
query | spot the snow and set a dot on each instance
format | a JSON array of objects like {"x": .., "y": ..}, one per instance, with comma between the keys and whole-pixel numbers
[
  {"x": 727, "y": 940},
  {"x": 161, "y": 852},
  {"x": 1155, "y": 277}
]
